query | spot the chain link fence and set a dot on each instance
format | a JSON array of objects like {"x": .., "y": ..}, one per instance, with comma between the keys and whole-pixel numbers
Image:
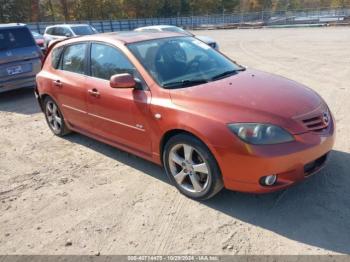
[{"x": 304, "y": 17}]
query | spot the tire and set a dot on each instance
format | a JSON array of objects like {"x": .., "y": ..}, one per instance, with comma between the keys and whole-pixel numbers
[
  {"x": 191, "y": 167},
  {"x": 54, "y": 118}
]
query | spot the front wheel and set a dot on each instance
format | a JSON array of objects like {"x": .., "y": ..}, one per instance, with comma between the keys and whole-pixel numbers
[{"x": 191, "y": 167}]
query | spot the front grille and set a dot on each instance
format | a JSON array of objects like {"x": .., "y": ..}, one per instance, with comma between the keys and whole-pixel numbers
[
  {"x": 315, "y": 165},
  {"x": 317, "y": 122}
]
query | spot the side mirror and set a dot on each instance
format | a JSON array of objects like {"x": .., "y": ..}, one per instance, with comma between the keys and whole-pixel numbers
[
  {"x": 68, "y": 35},
  {"x": 122, "y": 81}
]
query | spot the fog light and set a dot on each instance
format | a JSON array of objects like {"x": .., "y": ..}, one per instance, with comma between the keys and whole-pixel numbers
[{"x": 268, "y": 180}]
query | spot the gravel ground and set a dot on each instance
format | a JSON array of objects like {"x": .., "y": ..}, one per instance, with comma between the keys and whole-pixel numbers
[{"x": 79, "y": 196}]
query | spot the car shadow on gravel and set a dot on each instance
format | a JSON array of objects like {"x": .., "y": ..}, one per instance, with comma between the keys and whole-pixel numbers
[
  {"x": 131, "y": 160},
  {"x": 20, "y": 101},
  {"x": 315, "y": 212}
]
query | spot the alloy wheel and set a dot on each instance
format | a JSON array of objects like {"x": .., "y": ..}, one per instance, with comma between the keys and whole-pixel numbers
[
  {"x": 190, "y": 169},
  {"x": 53, "y": 117}
]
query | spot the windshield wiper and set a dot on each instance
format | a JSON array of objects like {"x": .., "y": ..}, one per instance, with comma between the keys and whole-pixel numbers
[
  {"x": 225, "y": 74},
  {"x": 185, "y": 83}
]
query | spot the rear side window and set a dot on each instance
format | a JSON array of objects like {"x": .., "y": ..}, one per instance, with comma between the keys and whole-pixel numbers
[
  {"x": 58, "y": 31},
  {"x": 55, "y": 57},
  {"x": 74, "y": 58},
  {"x": 49, "y": 31},
  {"x": 15, "y": 38}
]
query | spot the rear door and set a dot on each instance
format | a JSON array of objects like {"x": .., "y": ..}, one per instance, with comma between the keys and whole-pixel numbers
[
  {"x": 19, "y": 54},
  {"x": 69, "y": 85}
]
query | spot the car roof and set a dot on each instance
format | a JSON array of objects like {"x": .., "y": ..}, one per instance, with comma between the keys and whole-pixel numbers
[
  {"x": 126, "y": 37},
  {"x": 12, "y": 25},
  {"x": 67, "y": 25},
  {"x": 156, "y": 27}
]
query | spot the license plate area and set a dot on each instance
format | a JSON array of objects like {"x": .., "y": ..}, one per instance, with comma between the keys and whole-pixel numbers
[{"x": 14, "y": 70}]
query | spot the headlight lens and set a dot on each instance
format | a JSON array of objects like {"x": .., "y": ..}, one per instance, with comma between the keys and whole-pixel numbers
[{"x": 260, "y": 134}]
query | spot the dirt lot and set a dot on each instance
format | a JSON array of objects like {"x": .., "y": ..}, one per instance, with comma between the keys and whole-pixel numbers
[{"x": 55, "y": 192}]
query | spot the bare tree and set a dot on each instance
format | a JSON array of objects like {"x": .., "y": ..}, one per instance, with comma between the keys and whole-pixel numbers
[
  {"x": 64, "y": 5},
  {"x": 34, "y": 10}
]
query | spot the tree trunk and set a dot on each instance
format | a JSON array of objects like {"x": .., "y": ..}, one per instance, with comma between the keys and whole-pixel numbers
[
  {"x": 65, "y": 9},
  {"x": 2, "y": 19},
  {"x": 52, "y": 12},
  {"x": 34, "y": 10}
]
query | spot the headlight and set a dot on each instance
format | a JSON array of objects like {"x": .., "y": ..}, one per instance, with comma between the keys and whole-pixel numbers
[{"x": 260, "y": 134}]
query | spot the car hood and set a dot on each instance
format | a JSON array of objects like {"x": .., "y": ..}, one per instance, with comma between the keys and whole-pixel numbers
[
  {"x": 206, "y": 39},
  {"x": 250, "y": 96}
]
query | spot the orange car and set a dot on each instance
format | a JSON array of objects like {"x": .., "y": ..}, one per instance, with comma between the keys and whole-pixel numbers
[{"x": 177, "y": 102}]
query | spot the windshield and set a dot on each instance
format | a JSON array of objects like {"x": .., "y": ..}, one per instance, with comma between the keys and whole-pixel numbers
[
  {"x": 35, "y": 34},
  {"x": 83, "y": 30},
  {"x": 15, "y": 38},
  {"x": 182, "y": 61}
]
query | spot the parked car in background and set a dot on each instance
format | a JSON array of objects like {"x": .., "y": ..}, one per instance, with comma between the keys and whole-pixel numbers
[
  {"x": 169, "y": 28},
  {"x": 39, "y": 39},
  {"x": 20, "y": 57},
  {"x": 174, "y": 100},
  {"x": 67, "y": 30}
]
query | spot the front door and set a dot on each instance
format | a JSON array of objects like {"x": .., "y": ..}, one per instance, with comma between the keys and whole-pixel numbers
[{"x": 118, "y": 115}]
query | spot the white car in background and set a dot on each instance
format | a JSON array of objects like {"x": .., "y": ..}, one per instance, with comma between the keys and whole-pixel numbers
[
  {"x": 161, "y": 28},
  {"x": 57, "y": 32}
]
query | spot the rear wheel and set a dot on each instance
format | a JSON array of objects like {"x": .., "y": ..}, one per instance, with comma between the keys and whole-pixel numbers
[
  {"x": 191, "y": 167},
  {"x": 54, "y": 118}
]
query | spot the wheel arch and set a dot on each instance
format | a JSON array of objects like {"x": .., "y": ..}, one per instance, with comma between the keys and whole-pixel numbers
[
  {"x": 173, "y": 132},
  {"x": 41, "y": 98}
]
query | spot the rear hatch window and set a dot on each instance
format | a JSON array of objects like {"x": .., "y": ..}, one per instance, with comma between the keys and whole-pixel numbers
[
  {"x": 19, "y": 54},
  {"x": 15, "y": 38}
]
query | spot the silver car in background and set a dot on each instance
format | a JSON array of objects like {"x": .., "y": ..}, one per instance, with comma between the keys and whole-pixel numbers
[
  {"x": 57, "y": 32},
  {"x": 169, "y": 28},
  {"x": 20, "y": 57}
]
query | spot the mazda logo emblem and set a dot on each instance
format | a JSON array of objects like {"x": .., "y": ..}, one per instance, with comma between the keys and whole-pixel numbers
[{"x": 325, "y": 118}]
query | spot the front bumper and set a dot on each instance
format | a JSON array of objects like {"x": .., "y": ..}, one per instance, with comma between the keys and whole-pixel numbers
[{"x": 291, "y": 162}]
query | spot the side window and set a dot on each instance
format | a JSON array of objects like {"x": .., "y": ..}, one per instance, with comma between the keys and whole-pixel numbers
[
  {"x": 55, "y": 57},
  {"x": 107, "y": 61},
  {"x": 49, "y": 31},
  {"x": 54, "y": 31},
  {"x": 59, "y": 31},
  {"x": 74, "y": 58}
]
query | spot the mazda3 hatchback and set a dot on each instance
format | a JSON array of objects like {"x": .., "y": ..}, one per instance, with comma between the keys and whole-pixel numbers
[
  {"x": 20, "y": 57},
  {"x": 175, "y": 101}
]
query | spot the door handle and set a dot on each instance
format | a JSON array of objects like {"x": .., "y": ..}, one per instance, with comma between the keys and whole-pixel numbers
[
  {"x": 94, "y": 92},
  {"x": 57, "y": 83}
]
